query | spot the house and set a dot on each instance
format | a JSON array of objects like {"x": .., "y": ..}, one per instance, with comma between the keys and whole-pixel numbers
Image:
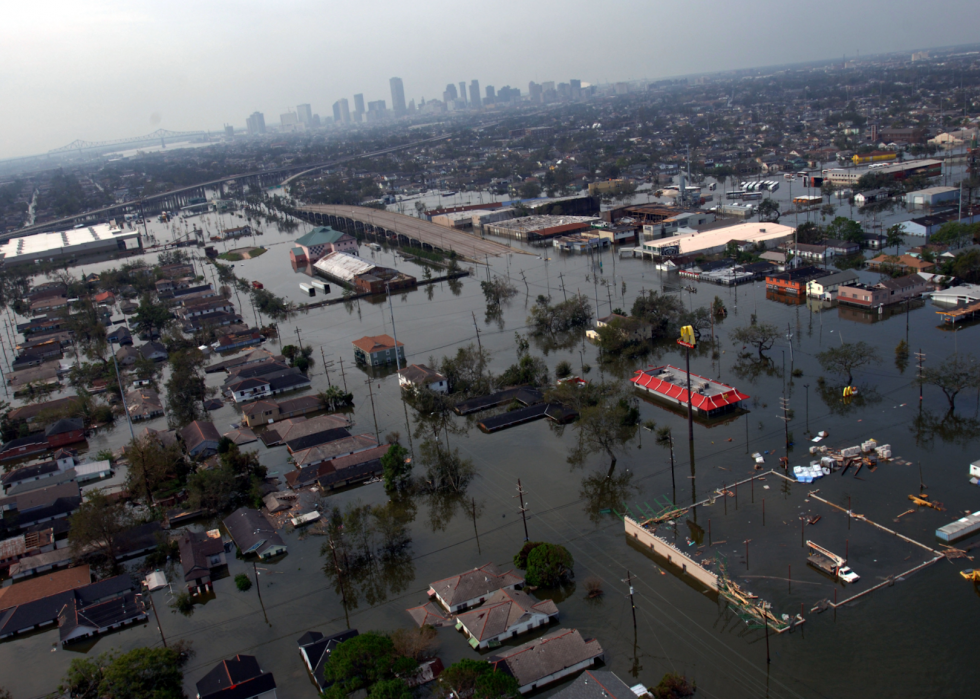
[
  {"x": 348, "y": 470},
  {"x": 547, "y": 659},
  {"x": 30, "y": 473},
  {"x": 825, "y": 288},
  {"x": 154, "y": 351},
  {"x": 120, "y": 336},
  {"x": 296, "y": 427},
  {"x": 23, "y": 446},
  {"x": 144, "y": 404},
  {"x": 321, "y": 241},
  {"x": 105, "y": 297},
  {"x": 24, "y": 545},
  {"x": 29, "y": 413},
  {"x": 253, "y": 533},
  {"x": 127, "y": 355},
  {"x": 884, "y": 293},
  {"x": 420, "y": 376},
  {"x": 266, "y": 411},
  {"x": 314, "y": 439},
  {"x": 248, "y": 388},
  {"x": 241, "y": 435},
  {"x": 67, "y": 430},
  {"x": 233, "y": 341},
  {"x": 870, "y": 196},
  {"x": 597, "y": 684},
  {"x": 237, "y": 678},
  {"x": 79, "y": 620},
  {"x": 328, "y": 451},
  {"x": 841, "y": 248},
  {"x": 315, "y": 649},
  {"x": 810, "y": 253},
  {"x": 793, "y": 281},
  {"x": 200, "y": 439},
  {"x": 200, "y": 555},
  {"x": 473, "y": 587},
  {"x": 505, "y": 614},
  {"x": 378, "y": 350},
  {"x": 904, "y": 263},
  {"x": 44, "y": 504}
]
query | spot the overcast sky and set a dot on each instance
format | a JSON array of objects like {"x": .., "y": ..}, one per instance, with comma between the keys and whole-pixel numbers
[{"x": 105, "y": 69}]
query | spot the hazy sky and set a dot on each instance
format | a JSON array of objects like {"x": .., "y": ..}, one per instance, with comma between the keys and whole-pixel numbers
[{"x": 105, "y": 69}]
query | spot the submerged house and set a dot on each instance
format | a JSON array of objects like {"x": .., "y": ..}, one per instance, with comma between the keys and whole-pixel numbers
[{"x": 473, "y": 587}]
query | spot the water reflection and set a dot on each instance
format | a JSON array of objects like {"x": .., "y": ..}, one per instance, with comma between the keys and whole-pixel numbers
[
  {"x": 602, "y": 492},
  {"x": 949, "y": 428},
  {"x": 750, "y": 367},
  {"x": 833, "y": 398}
]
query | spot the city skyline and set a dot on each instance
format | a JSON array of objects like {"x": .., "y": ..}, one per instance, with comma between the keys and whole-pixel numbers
[{"x": 167, "y": 79}]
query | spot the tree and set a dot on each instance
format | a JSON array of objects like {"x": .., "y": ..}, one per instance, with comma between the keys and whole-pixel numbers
[
  {"x": 497, "y": 291},
  {"x": 418, "y": 643},
  {"x": 477, "y": 679},
  {"x": 528, "y": 370},
  {"x": 844, "y": 360},
  {"x": 809, "y": 233},
  {"x": 397, "y": 468},
  {"x": 186, "y": 388},
  {"x": 553, "y": 320},
  {"x": 894, "y": 236},
  {"x": 150, "y": 465},
  {"x": 391, "y": 689},
  {"x": 548, "y": 565},
  {"x": 150, "y": 317},
  {"x": 768, "y": 210},
  {"x": 843, "y": 228},
  {"x": 762, "y": 336},
  {"x": 96, "y": 524},
  {"x": 334, "y": 398},
  {"x": 661, "y": 311},
  {"x": 607, "y": 420},
  {"x": 236, "y": 480},
  {"x": 957, "y": 373},
  {"x": 467, "y": 372},
  {"x": 142, "y": 673}
]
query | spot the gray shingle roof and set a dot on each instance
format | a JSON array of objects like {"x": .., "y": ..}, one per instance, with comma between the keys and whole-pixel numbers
[
  {"x": 474, "y": 583},
  {"x": 535, "y": 660}
]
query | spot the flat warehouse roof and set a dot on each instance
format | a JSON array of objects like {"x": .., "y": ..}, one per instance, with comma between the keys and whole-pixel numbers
[
  {"x": 40, "y": 243},
  {"x": 755, "y": 232}
]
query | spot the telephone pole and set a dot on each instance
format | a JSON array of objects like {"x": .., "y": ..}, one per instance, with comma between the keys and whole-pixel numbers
[
  {"x": 629, "y": 581},
  {"x": 520, "y": 494},
  {"x": 394, "y": 333},
  {"x": 298, "y": 338},
  {"x": 157, "y": 617},
  {"x": 326, "y": 366},
  {"x": 784, "y": 404},
  {"x": 342, "y": 374},
  {"x": 920, "y": 358},
  {"x": 377, "y": 434}
]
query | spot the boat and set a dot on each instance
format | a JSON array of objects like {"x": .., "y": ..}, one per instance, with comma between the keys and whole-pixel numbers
[{"x": 302, "y": 520}]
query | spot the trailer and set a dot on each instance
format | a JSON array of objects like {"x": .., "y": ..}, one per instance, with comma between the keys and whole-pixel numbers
[
  {"x": 309, "y": 289},
  {"x": 301, "y": 520},
  {"x": 323, "y": 287},
  {"x": 830, "y": 563}
]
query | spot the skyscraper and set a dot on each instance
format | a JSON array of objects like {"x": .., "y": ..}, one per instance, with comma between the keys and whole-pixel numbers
[
  {"x": 255, "y": 124},
  {"x": 397, "y": 96},
  {"x": 341, "y": 112},
  {"x": 450, "y": 95},
  {"x": 359, "y": 103},
  {"x": 462, "y": 90},
  {"x": 576, "y": 89},
  {"x": 475, "y": 94},
  {"x": 305, "y": 114}
]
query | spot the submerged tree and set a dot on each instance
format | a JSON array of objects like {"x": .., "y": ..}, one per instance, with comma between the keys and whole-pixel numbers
[
  {"x": 957, "y": 373},
  {"x": 761, "y": 336},
  {"x": 608, "y": 420},
  {"x": 847, "y": 358}
]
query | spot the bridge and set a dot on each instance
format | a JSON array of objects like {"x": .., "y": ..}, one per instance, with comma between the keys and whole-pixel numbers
[
  {"x": 160, "y": 135},
  {"x": 402, "y": 230}
]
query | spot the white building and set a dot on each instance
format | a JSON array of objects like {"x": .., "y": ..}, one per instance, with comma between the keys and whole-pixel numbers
[
  {"x": 419, "y": 376},
  {"x": 46, "y": 247},
  {"x": 931, "y": 196},
  {"x": 769, "y": 235}
]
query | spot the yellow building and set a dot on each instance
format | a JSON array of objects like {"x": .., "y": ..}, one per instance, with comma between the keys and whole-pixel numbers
[
  {"x": 877, "y": 156},
  {"x": 603, "y": 187}
]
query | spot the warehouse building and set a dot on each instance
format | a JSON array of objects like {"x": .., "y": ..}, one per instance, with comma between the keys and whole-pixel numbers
[
  {"x": 534, "y": 228},
  {"x": 898, "y": 171},
  {"x": 46, "y": 247},
  {"x": 768, "y": 235},
  {"x": 931, "y": 196}
]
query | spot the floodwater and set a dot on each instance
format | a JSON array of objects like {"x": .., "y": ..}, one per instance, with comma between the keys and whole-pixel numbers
[{"x": 911, "y": 638}]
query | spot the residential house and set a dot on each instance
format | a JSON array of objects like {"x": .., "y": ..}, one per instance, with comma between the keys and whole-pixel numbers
[
  {"x": 121, "y": 336},
  {"x": 328, "y": 451},
  {"x": 825, "y": 288},
  {"x": 23, "y": 447},
  {"x": 269, "y": 384},
  {"x": 266, "y": 412},
  {"x": 884, "y": 293},
  {"x": 315, "y": 650},
  {"x": 237, "y": 678},
  {"x": 904, "y": 263},
  {"x": 547, "y": 659},
  {"x": 204, "y": 307},
  {"x": 794, "y": 281},
  {"x": 24, "y": 545},
  {"x": 473, "y": 587},
  {"x": 67, "y": 430},
  {"x": 505, "y": 614},
  {"x": 234, "y": 341},
  {"x": 420, "y": 376},
  {"x": 810, "y": 253},
  {"x": 340, "y": 472},
  {"x": 253, "y": 533},
  {"x": 200, "y": 439},
  {"x": 127, "y": 355},
  {"x": 378, "y": 350},
  {"x": 43, "y": 505},
  {"x": 870, "y": 196},
  {"x": 144, "y": 404},
  {"x": 841, "y": 248},
  {"x": 200, "y": 555},
  {"x": 81, "y": 619},
  {"x": 313, "y": 439},
  {"x": 597, "y": 684},
  {"x": 293, "y": 428},
  {"x": 154, "y": 351}
]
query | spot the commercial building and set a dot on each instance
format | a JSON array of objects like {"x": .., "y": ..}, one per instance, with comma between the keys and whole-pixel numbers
[
  {"x": 898, "y": 171},
  {"x": 794, "y": 281},
  {"x": 362, "y": 275},
  {"x": 931, "y": 196},
  {"x": 97, "y": 239},
  {"x": 319, "y": 242},
  {"x": 534, "y": 228},
  {"x": 397, "y": 96},
  {"x": 255, "y": 124},
  {"x": 883, "y": 293},
  {"x": 475, "y": 101},
  {"x": 305, "y": 114},
  {"x": 341, "y": 111},
  {"x": 709, "y": 398},
  {"x": 825, "y": 288},
  {"x": 767, "y": 235}
]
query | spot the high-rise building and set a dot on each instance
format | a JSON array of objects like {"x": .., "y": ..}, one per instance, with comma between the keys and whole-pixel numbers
[
  {"x": 229, "y": 131},
  {"x": 534, "y": 92},
  {"x": 397, "y": 96},
  {"x": 305, "y": 114},
  {"x": 475, "y": 94},
  {"x": 376, "y": 110},
  {"x": 491, "y": 93},
  {"x": 290, "y": 123},
  {"x": 255, "y": 124},
  {"x": 359, "y": 103},
  {"x": 450, "y": 93},
  {"x": 462, "y": 90},
  {"x": 341, "y": 112},
  {"x": 576, "y": 86}
]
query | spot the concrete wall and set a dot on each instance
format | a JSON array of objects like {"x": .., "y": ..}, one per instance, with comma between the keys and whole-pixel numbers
[{"x": 673, "y": 554}]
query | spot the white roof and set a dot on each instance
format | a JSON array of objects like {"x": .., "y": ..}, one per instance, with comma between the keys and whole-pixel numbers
[
  {"x": 754, "y": 232},
  {"x": 92, "y": 468},
  {"x": 342, "y": 266},
  {"x": 155, "y": 581},
  {"x": 40, "y": 243}
]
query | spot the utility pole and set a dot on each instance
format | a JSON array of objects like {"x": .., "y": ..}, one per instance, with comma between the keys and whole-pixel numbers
[
  {"x": 561, "y": 281},
  {"x": 394, "y": 333},
  {"x": 629, "y": 581},
  {"x": 527, "y": 289},
  {"x": 157, "y": 617},
  {"x": 807, "y": 387},
  {"x": 371, "y": 393},
  {"x": 122, "y": 394},
  {"x": 326, "y": 366},
  {"x": 920, "y": 357},
  {"x": 340, "y": 579},
  {"x": 342, "y": 374},
  {"x": 520, "y": 494},
  {"x": 784, "y": 404},
  {"x": 479, "y": 366},
  {"x": 298, "y": 338}
]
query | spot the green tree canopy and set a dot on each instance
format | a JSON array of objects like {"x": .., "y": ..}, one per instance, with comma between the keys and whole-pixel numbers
[
  {"x": 844, "y": 360},
  {"x": 477, "y": 679},
  {"x": 549, "y": 565},
  {"x": 142, "y": 673}
]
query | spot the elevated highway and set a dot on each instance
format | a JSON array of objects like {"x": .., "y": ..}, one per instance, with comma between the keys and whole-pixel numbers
[{"x": 398, "y": 228}]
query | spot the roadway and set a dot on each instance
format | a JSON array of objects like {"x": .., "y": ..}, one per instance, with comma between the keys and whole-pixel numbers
[{"x": 426, "y": 232}]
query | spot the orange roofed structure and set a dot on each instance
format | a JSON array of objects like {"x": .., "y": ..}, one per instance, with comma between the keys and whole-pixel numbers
[{"x": 378, "y": 350}]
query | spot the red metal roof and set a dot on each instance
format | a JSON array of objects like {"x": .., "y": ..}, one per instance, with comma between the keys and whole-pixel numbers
[{"x": 673, "y": 391}]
